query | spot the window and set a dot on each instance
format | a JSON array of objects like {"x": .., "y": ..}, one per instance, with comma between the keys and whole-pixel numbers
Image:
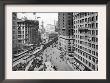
[
  {"x": 96, "y": 25},
  {"x": 89, "y": 50},
  {"x": 80, "y": 47},
  {"x": 89, "y": 44},
  {"x": 97, "y": 61},
  {"x": 88, "y": 13},
  {"x": 80, "y": 42},
  {"x": 89, "y": 19},
  {"x": 19, "y": 41},
  {"x": 96, "y": 46},
  {"x": 85, "y": 14},
  {"x": 14, "y": 32},
  {"x": 85, "y": 43},
  {"x": 96, "y": 32},
  {"x": 93, "y": 59},
  {"x": 89, "y": 57},
  {"x": 86, "y": 61},
  {"x": 69, "y": 48},
  {"x": 76, "y": 41},
  {"x": 71, "y": 31},
  {"x": 89, "y": 64},
  {"x": 93, "y": 25},
  {"x": 96, "y": 39},
  {"x": 68, "y": 32},
  {"x": 86, "y": 25},
  {"x": 19, "y": 28},
  {"x": 85, "y": 49},
  {"x": 83, "y": 60},
  {"x": 93, "y": 46},
  {"x": 93, "y": 67},
  {"x": 69, "y": 42},
  {"x": 85, "y": 19},
  {"x": 86, "y": 55},
  {"x": 96, "y": 18},
  {"x": 92, "y": 18},
  {"x": 93, "y": 39},
  {"x": 96, "y": 53},
  {"x": 93, "y": 32},
  {"x": 69, "y": 13}
]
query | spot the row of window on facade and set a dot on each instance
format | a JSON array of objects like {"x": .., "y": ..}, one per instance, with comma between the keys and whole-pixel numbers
[
  {"x": 71, "y": 48},
  {"x": 69, "y": 33},
  {"x": 86, "y": 31},
  {"x": 14, "y": 17},
  {"x": 77, "y": 66},
  {"x": 86, "y": 20},
  {"x": 70, "y": 23},
  {"x": 20, "y": 36},
  {"x": 71, "y": 41},
  {"x": 87, "y": 56},
  {"x": 90, "y": 45},
  {"x": 90, "y": 51},
  {"x": 25, "y": 28},
  {"x": 14, "y": 23},
  {"x": 83, "y": 14},
  {"x": 89, "y": 25},
  {"x": 88, "y": 61},
  {"x": 27, "y": 23},
  {"x": 88, "y": 38},
  {"x": 20, "y": 32},
  {"x": 21, "y": 41}
]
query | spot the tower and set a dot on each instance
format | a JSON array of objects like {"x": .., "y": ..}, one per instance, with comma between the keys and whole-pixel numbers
[{"x": 66, "y": 36}]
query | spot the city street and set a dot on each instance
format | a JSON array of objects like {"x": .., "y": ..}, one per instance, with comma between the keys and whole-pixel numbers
[
  {"x": 53, "y": 56},
  {"x": 60, "y": 43}
]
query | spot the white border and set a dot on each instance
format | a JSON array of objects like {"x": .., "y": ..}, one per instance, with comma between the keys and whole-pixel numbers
[{"x": 100, "y": 74}]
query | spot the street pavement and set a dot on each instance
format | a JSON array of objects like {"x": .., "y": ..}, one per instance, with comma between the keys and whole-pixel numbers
[{"x": 52, "y": 55}]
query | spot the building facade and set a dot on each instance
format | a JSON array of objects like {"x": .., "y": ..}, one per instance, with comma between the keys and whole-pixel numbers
[
  {"x": 14, "y": 30},
  {"x": 66, "y": 34},
  {"x": 27, "y": 32},
  {"x": 86, "y": 39}
]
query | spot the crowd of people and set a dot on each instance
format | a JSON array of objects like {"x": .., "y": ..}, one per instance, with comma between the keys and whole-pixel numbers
[
  {"x": 20, "y": 67},
  {"x": 37, "y": 62}
]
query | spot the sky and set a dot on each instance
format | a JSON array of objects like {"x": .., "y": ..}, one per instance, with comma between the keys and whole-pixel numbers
[{"x": 47, "y": 18}]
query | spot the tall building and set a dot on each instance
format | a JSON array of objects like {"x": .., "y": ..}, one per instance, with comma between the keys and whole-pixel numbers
[
  {"x": 56, "y": 27},
  {"x": 66, "y": 36},
  {"x": 42, "y": 28},
  {"x": 27, "y": 32},
  {"x": 50, "y": 28},
  {"x": 86, "y": 39},
  {"x": 14, "y": 31}
]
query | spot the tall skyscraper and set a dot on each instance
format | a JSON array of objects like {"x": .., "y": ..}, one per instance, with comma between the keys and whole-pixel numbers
[
  {"x": 86, "y": 39},
  {"x": 66, "y": 36}
]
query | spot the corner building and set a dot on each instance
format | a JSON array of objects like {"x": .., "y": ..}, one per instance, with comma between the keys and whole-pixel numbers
[
  {"x": 86, "y": 39},
  {"x": 66, "y": 36},
  {"x": 27, "y": 32}
]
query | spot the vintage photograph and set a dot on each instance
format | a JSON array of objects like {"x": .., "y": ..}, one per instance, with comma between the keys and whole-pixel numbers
[{"x": 54, "y": 41}]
